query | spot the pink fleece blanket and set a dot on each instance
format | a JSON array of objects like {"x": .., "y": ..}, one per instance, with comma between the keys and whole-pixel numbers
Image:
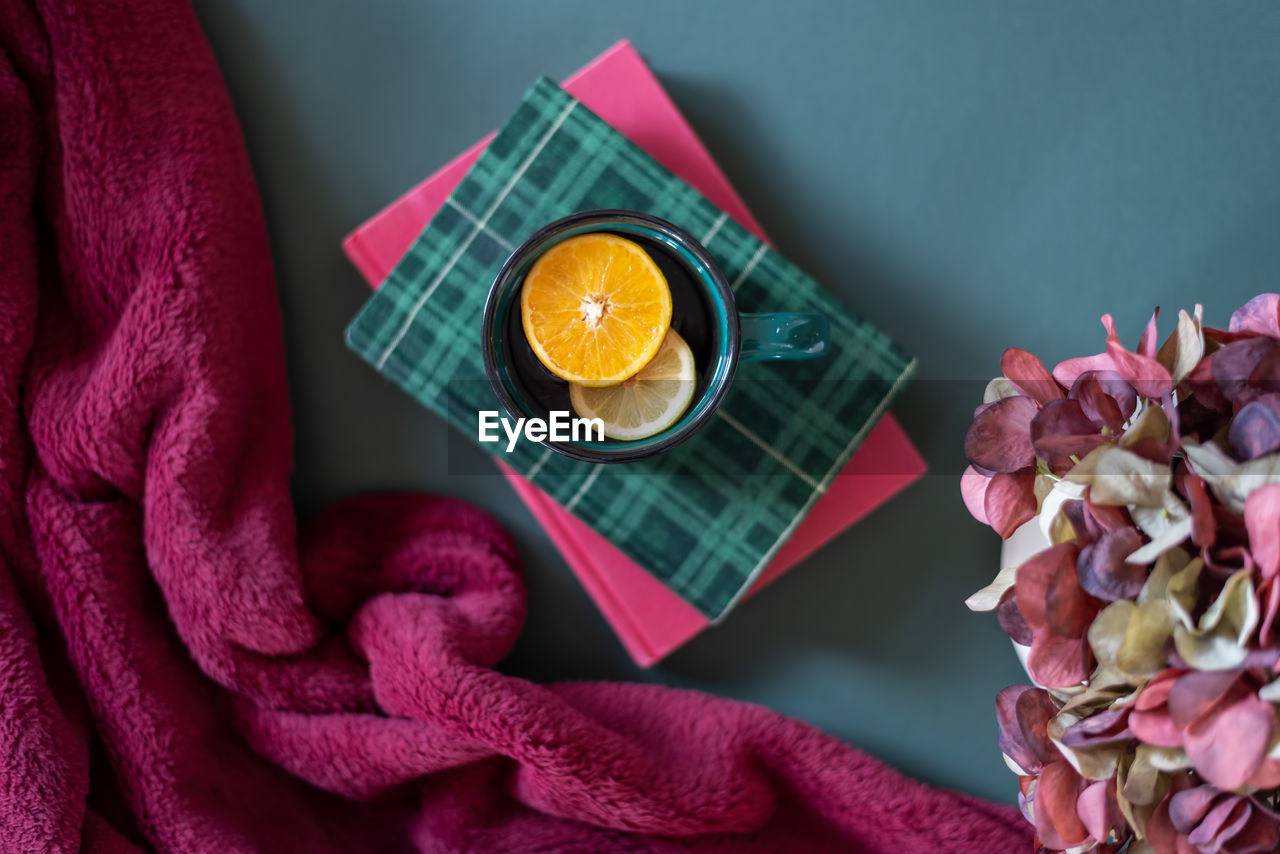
[{"x": 180, "y": 669}]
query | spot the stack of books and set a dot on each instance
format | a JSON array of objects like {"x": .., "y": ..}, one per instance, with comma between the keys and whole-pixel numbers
[{"x": 651, "y": 617}]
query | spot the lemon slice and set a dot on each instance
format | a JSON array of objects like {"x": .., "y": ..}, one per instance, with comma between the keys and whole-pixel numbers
[
  {"x": 595, "y": 309},
  {"x": 649, "y": 402}
]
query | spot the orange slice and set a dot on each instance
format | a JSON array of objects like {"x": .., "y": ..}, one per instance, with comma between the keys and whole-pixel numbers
[{"x": 595, "y": 308}]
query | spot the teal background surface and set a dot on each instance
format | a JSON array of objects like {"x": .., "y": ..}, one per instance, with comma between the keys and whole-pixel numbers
[{"x": 968, "y": 176}]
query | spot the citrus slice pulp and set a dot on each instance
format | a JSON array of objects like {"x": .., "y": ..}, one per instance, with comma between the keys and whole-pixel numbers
[
  {"x": 595, "y": 309},
  {"x": 649, "y": 402}
]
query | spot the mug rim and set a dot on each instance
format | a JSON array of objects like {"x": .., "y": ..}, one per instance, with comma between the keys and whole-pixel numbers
[{"x": 714, "y": 278}]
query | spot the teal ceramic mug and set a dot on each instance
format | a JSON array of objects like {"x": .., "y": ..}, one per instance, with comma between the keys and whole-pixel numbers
[{"x": 704, "y": 312}]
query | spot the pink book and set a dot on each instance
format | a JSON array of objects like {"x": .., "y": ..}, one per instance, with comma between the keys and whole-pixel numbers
[{"x": 650, "y": 620}]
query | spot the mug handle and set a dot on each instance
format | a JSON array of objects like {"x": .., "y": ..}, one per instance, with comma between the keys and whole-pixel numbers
[{"x": 783, "y": 335}]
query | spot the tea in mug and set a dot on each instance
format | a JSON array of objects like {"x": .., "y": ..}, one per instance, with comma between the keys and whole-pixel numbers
[{"x": 618, "y": 327}]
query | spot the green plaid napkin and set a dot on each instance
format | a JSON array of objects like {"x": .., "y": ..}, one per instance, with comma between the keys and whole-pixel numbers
[{"x": 706, "y": 517}]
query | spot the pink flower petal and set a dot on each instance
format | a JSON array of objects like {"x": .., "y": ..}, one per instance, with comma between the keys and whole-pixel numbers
[
  {"x": 1229, "y": 745},
  {"x": 973, "y": 489},
  {"x": 1203, "y": 524},
  {"x": 1262, "y": 520},
  {"x": 1267, "y": 776},
  {"x": 1260, "y": 314},
  {"x": 1157, "y": 691},
  {"x": 1035, "y": 577},
  {"x": 1010, "y": 500},
  {"x": 1028, "y": 373},
  {"x": 999, "y": 439},
  {"x": 1067, "y": 372},
  {"x": 1068, "y": 609},
  {"x": 1147, "y": 343},
  {"x": 1149, "y": 719},
  {"x": 1058, "y": 662},
  {"x": 1147, "y": 376},
  {"x": 1057, "y": 792},
  {"x": 1155, "y": 728},
  {"x": 1269, "y": 598},
  {"x": 1098, "y": 810}
]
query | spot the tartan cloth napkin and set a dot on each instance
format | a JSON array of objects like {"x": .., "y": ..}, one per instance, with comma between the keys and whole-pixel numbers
[{"x": 707, "y": 516}]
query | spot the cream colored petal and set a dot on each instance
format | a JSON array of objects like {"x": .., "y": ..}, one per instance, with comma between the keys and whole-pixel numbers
[
  {"x": 1270, "y": 692},
  {"x": 1183, "y": 591},
  {"x": 1052, "y": 521},
  {"x": 1232, "y": 482},
  {"x": 998, "y": 389},
  {"x": 1184, "y": 348},
  {"x": 1142, "y": 652},
  {"x": 1170, "y": 760},
  {"x": 1143, "y": 779},
  {"x": 1119, "y": 477},
  {"x": 1173, "y": 534},
  {"x": 1093, "y": 763},
  {"x": 988, "y": 597},
  {"x": 1149, "y": 423},
  {"x": 1106, "y": 635}
]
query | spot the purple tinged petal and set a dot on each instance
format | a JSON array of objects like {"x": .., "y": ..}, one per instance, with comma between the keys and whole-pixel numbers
[
  {"x": 1011, "y": 621},
  {"x": 1235, "y": 363},
  {"x": 1023, "y": 713},
  {"x": 1260, "y": 314},
  {"x": 1187, "y": 809},
  {"x": 1260, "y": 834},
  {"x": 1265, "y": 377},
  {"x": 1194, "y": 694},
  {"x": 1227, "y": 818},
  {"x": 1255, "y": 431},
  {"x": 1105, "y": 727},
  {"x": 999, "y": 439},
  {"x": 1061, "y": 429},
  {"x": 1105, "y": 398},
  {"x": 1102, "y": 570}
]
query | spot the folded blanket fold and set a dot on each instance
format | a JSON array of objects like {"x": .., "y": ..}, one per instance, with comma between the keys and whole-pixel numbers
[{"x": 180, "y": 669}]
